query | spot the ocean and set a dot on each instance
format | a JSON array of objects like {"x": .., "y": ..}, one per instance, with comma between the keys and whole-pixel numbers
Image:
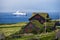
[{"x": 10, "y": 18}]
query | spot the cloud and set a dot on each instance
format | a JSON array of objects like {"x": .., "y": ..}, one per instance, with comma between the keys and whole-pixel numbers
[{"x": 28, "y": 5}]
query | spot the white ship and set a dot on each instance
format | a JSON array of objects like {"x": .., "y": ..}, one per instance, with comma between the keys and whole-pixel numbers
[{"x": 17, "y": 13}]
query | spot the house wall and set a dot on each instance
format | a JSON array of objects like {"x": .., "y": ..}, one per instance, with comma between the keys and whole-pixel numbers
[{"x": 39, "y": 18}]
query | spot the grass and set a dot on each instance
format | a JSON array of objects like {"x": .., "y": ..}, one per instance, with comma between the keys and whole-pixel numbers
[
  {"x": 14, "y": 25},
  {"x": 58, "y": 27},
  {"x": 13, "y": 28},
  {"x": 48, "y": 36},
  {"x": 9, "y": 29},
  {"x": 43, "y": 36}
]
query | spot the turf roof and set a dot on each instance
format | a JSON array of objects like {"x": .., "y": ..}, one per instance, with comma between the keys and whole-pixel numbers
[
  {"x": 49, "y": 24},
  {"x": 37, "y": 23},
  {"x": 44, "y": 15}
]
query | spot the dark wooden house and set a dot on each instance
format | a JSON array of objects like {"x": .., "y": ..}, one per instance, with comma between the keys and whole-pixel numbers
[
  {"x": 38, "y": 23},
  {"x": 41, "y": 17},
  {"x": 32, "y": 27},
  {"x": 57, "y": 23}
]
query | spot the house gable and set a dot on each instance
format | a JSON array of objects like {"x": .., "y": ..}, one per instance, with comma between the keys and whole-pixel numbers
[
  {"x": 37, "y": 17},
  {"x": 29, "y": 28}
]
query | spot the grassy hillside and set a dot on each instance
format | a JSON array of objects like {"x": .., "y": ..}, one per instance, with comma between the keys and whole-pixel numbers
[
  {"x": 9, "y": 29},
  {"x": 43, "y": 36}
]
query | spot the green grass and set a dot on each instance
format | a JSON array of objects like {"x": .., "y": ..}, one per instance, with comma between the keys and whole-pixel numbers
[
  {"x": 43, "y": 36},
  {"x": 48, "y": 36},
  {"x": 14, "y": 25},
  {"x": 58, "y": 27},
  {"x": 9, "y": 29},
  {"x": 13, "y": 28}
]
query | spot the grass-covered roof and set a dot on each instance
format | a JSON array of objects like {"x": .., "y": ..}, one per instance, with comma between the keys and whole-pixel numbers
[
  {"x": 37, "y": 23},
  {"x": 49, "y": 24},
  {"x": 44, "y": 15}
]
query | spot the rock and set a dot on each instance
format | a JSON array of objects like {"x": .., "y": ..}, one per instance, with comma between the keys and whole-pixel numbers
[
  {"x": 2, "y": 36},
  {"x": 58, "y": 35}
]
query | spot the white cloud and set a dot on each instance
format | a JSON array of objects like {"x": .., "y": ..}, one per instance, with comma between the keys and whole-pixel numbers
[{"x": 13, "y": 5}]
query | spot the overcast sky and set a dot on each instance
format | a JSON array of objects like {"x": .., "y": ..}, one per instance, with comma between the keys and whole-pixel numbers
[{"x": 30, "y": 5}]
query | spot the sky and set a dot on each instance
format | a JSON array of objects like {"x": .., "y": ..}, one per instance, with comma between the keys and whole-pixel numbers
[{"x": 30, "y": 5}]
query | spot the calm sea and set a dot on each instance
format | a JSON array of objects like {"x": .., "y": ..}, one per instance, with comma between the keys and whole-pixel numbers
[{"x": 10, "y": 18}]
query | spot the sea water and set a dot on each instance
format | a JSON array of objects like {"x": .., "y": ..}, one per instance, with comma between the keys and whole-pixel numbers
[{"x": 10, "y": 18}]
